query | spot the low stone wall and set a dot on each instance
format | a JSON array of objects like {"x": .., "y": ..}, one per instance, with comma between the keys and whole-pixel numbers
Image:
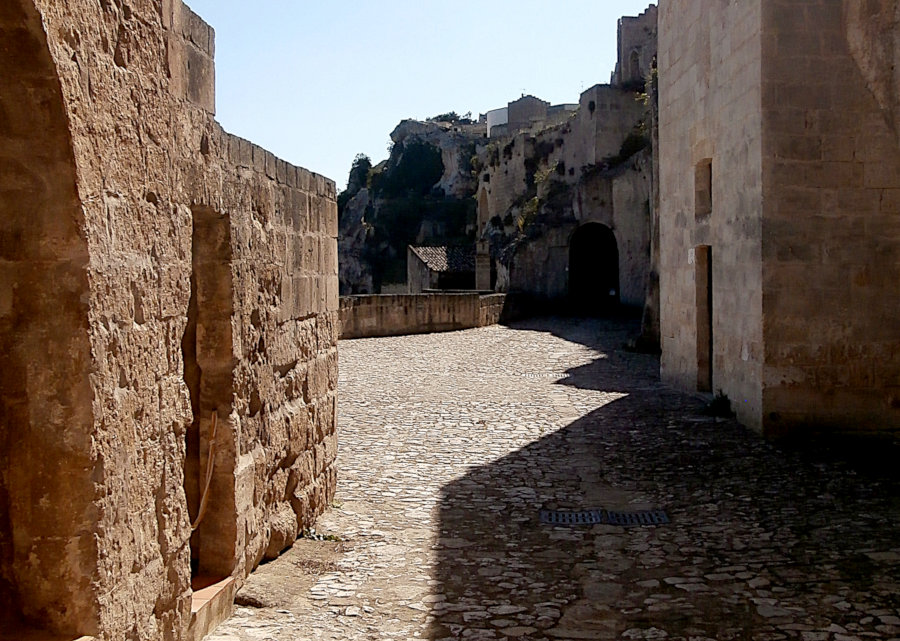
[
  {"x": 399, "y": 314},
  {"x": 491, "y": 309}
]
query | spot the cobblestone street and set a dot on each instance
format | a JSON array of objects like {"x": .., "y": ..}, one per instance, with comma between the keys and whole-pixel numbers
[{"x": 450, "y": 444}]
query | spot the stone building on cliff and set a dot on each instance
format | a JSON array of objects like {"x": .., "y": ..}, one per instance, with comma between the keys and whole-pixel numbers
[
  {"x": 780, "y": 209},
  {"x": 565, "y": 209},
  {"x": 168, "y": 324}
]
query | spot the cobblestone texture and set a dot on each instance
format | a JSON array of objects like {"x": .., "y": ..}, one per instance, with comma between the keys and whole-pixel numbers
[{"x": 451, "y": 443}]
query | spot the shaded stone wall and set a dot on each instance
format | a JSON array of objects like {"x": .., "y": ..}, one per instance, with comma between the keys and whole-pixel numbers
[
  {"x": 831, "y": 229},
  {"x": 418, "y": 276},
  {"x": 96, "y": 317},
  {"x": 709, "y": 108},
  {"x": 45, "y": 392}
]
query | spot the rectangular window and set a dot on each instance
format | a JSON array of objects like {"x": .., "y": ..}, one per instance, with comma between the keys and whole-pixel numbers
[{"x": 703, "y": 188}]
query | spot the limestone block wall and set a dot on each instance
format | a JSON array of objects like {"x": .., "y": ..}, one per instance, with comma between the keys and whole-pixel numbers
[
  {"x": 831, "y": 228},
  {"x": 400, "y": 314},
  {"x": 491, "y": 309},
  {"x": 153, "y": 271},
  {"x": 710, "y": 92}
]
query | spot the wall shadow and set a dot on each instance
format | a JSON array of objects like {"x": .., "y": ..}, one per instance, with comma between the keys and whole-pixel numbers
[{"x": 760, "y": 538}]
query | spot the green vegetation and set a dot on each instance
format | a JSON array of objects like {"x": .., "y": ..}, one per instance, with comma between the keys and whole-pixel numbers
[
  {"x": 414, "y": 168},
  {"x": 454, "y": 118}
]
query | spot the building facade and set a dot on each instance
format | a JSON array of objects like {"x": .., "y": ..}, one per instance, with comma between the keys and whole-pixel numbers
[{"x": 779, "y": 218}]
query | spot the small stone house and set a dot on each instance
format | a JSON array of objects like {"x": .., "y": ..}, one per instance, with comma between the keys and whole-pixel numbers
[{"x": 444, "y": 267}]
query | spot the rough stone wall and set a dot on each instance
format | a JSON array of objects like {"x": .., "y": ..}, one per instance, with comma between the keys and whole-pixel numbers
[
  {"x": 98, "y": 535},
  {"x": 45, "y": 391},
  {"x": 709, "y": 108},
  {"x": 831, "y": 228},
  {"x": 523, "y": 112},
  {"x": 492, "y": 308},
  {"x": 540, "y": 267}
]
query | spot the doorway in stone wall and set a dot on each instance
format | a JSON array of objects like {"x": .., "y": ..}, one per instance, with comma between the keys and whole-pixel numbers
[
  {"x": 210, "y": 444},
  {"x": 704, "y": 311},
  {"x": 593, "y": 270}
]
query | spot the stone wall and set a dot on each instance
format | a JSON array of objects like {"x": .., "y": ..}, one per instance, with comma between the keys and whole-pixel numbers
[
  {"x": 716, "y": 46},
  {"x": 492, "y": 309},
  {"x": 418, "y": 276},
  {"x": 831, "y": 228},
  {"x": 784, "y": 109},
  {"x": 400, "y": 314},
  {"x": 149, "y": 263}
]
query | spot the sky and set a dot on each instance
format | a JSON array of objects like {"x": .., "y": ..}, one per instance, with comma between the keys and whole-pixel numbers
[{"x": 318, "y": 82}]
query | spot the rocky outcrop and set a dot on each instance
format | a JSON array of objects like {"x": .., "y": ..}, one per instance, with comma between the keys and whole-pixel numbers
[
  {"x": 537, "y": 189},
  {"x": 458, "y": 143},
  {"x": 421, "y": 195},
  {"x": 354, "y": 270}
]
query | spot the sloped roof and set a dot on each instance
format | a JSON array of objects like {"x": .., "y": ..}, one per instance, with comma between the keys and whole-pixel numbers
[{"x": 454, "y": 258}]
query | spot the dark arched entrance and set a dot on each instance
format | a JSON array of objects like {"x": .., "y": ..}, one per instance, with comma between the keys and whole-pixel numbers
[{"x": 593, "y": 270}]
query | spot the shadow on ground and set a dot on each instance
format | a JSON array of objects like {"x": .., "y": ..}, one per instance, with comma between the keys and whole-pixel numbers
[{"x": 764, "y": 542}]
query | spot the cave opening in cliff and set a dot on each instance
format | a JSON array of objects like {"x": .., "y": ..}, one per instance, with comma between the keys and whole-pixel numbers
[{"x": 593, "y": 270}]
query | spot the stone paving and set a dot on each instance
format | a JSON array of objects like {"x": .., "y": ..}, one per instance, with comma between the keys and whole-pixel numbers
[{"x": 452, "y": 443}]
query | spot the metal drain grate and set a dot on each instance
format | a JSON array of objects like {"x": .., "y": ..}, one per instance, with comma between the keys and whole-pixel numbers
[{"x": 605, "y": 517}]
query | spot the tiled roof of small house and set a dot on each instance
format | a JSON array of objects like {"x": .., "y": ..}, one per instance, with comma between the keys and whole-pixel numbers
[{"x": 443, "y": 259}]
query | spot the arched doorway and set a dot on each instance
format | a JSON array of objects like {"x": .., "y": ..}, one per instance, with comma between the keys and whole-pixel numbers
[
  {"x": 47, "y": 549},
  {"x": 593, "y": 270}
]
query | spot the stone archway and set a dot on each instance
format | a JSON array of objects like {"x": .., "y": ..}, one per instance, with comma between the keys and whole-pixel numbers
[
  {"x": 47, "y": 549},
  {"x": 593, "y": 270}
]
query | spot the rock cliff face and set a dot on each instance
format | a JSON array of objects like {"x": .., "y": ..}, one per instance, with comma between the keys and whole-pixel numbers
[
  {"x": 457, "y": 143},
  {"x": 422, "y": 194},
  {"x": 354, "y": 270}
]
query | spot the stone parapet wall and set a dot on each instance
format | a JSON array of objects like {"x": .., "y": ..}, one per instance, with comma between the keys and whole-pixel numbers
[
  {"x": 400, "y": 314},
  {"x": 491, "y": 309}
]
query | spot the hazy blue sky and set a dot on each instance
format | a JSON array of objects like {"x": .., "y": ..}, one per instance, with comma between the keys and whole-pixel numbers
[{"x": 319, "y": 82}]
